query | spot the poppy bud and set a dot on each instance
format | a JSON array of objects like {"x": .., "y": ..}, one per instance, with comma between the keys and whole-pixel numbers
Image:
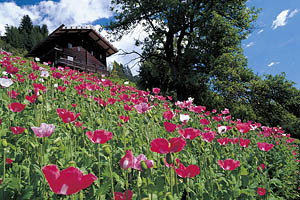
[
  {"x": 169, "y": 158},
  {"x": 40, "y": 98},
  {"x": 139, "y": 182},
  {"x": 68, "y": 126},
  {"x": 107, "y": 151},
  {"x": 72, "y": 163},
  {"x": 26, "y": 131},
  {"x": 162, "y": 161},
  {"x": 74, "y": 129},
  {"x": 4, "y": 142},
  {"x": 143, "y": 165},
  {"x": 98, "y": 121},
  {"x": 169, "y": 196},
  {"x": 56, "y": 140}
]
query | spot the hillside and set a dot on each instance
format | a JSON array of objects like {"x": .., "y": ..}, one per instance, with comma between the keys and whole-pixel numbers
[{"x": 65, "y": 132}]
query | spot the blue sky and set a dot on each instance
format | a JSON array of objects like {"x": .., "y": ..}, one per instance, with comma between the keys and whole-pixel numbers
[{"x": 272, "y": 48}]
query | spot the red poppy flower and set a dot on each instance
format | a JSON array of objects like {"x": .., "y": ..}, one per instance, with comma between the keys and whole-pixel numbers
[
  {"x": 169, "y": 127},
  {"x": 8, "y": 161},
  {"x": 244, "y": 142},
  {"x": 189, "y": 133},
  {"x": 261, "y": 191},
  {"x": 190, "y": 171},
  {"x": 124, "y": 118},
  {"x": 229, "y": 164},
  {"x": 16, "y": 107},
  {"x": 265, "y": 146},
  {"x": 99, "y": 136},
  {"x": 124, "y": 196},
  {"x": 168, "y": 115},
  {"x": 261, "y": 167},
  {"x": 13, "y": 94},
  {"x": 163, "y": 146},
  {"x": 66, "y": 116},
  {"x": 17, "y": 130},
  {"x": 67, "y": 181}
]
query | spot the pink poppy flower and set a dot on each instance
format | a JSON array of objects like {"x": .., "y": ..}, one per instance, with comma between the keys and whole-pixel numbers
[
  {"x": 156, "y": 90},
  {"x": 16, "y": 107},
  {"x": 261, "y": 191},
  {"x": 17, "y": 130},
  {"x": 190, "y": 171},
  {"x": 142, "y": 107},
  {"x": 189, "y": 133},
  {"x": 99, "y": 136},
  {"x": 66, "y": 116},
  {"x": 45, "y": 130},
  {"x": 124, "y": 196},
  {"x": 265, "y": 146},
  {"x": 163, "y": 146},
  {"x": 229, "y": 164},
  {"x": 169, "y": 127},
  {"x": 244, "y": 142},
  {"x": 128, "y": 160},
  {"x": 68, "y": 181},
  {"x": 139, "y": 159}
]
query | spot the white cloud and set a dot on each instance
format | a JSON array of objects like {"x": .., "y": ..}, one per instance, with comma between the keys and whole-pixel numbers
[
  {"x": 53, "y": 14},
  {"x": 293, "y": 13},
  {"x": 260, "y": 31},
  {"x": 273, "y": 63},
  {"x": 281, "y": 19},
  {"x": 250, "y": 44}
]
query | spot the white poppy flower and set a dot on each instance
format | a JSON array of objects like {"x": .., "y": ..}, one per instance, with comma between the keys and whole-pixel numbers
[{"x": 6, "y": 82}]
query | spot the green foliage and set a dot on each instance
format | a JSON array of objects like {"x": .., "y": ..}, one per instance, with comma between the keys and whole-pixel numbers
[{"x": 121, "y": 71}]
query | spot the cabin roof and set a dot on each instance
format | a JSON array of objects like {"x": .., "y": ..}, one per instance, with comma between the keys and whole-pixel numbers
[{"x": 63, "y": 30}]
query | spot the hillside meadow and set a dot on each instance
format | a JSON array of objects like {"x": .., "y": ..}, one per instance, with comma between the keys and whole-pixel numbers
[{"x": 67, "y": 134}]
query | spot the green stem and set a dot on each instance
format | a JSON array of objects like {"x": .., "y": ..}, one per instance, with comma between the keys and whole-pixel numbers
[
  {"x": 99, "y": 167},
  {"x": 111, "y": 177},
  {"x": 4, "y": 161}
]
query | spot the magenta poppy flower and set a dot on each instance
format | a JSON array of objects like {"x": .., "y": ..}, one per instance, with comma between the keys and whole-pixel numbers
[
  {"x": 189, "y": 133},
  {"x": 16, "y": 107},
  {"x": 66, "y": 116},
  {"x": 17, "y": 130},
  {"x": 8, "y": 161},
  {"x": 190, "y": 171},
  {"x": 156, "y": 90},
  {"x": 45, "y": 130},
  {"x": 168, "y": 115},
  {"x": 223, "y": 141},
  {"x": 261, "y": 167},
  {"x": 13, "y": 94},
  {"x": 99, "y": 136},
  {"x": 68, "y": 181},
  {"x": 261, "y": 191},
  {"x": 124, "y": 196},
  {"x": 163, "y": 146},
  {"x": 243, "y": 127},
  {"x": 31, "y": 99},
  {"x": 208, "y": 136},
  {"x": 170, "y": 127},
  {"x": 128, "y": 160},
  {"x": 204, "y": 121},
  {"x": 244, "y": 142},
  {"x": 265, "y": 146},
  {"x": 229, "y": 164}
]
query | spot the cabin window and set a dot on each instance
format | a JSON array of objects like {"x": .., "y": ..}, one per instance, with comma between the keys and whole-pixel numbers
[
  {"x": 69, "y": 45},
  {"x": 100, "y": 56},
  {"x": 92, "y": 53},
  {"x": 70, "y": 58},
  {"x": 78, "y": 48}
]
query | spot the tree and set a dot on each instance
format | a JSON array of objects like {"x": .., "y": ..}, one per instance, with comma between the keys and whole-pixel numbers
[
  {"x": 186, "y": 40},
  {"x": 26, "y": 25}
]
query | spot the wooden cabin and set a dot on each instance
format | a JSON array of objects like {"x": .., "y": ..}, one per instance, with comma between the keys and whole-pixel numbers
[{"x": 81, "y": 48}]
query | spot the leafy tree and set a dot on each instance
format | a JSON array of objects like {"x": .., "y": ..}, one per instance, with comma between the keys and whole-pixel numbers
[{"x": 186, "y": 42}]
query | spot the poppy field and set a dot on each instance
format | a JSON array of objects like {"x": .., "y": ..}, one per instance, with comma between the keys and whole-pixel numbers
[{"x": 67, "y": 134}]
